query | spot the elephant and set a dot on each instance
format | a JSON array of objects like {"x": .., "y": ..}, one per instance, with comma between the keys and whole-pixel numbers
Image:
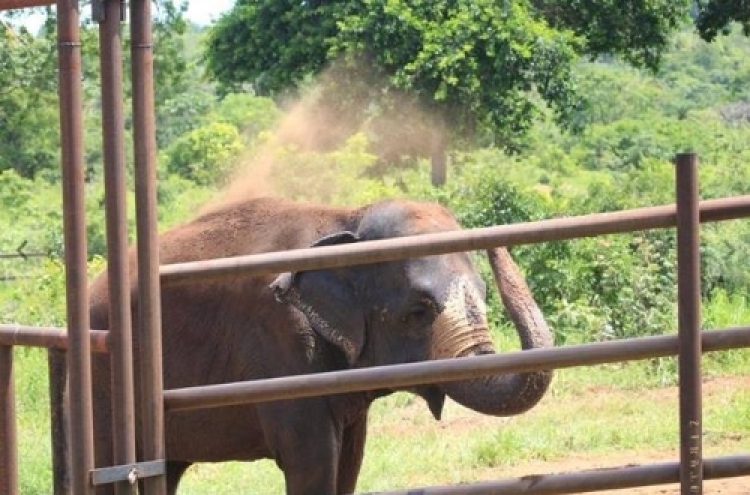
[{"x": 253, "y": 327}]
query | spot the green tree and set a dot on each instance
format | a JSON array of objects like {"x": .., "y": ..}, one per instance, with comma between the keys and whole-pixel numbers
[
  {"x": 29, "y": 121},
  {"x": 715, "y": 17},
  {"x": 28, "y": 99},
  {"x": 637, "y": 31},
  {"x": 478, "y": 62},
  {"x": 487, "y": 68}
]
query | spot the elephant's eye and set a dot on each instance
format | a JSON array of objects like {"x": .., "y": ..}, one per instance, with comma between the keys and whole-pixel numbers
[{"x": 420, "y": 313}]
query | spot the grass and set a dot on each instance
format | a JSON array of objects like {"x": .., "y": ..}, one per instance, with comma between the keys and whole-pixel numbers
[
  {"x": 593, "y": 412},
  {"x": 32, "y": 406},
  {"x": 407, "y": 448},
  {"x": 613, "y": 411}
]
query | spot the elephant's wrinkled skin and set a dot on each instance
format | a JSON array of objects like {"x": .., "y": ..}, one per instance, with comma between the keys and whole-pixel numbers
[{"x": 247, "y": 328}]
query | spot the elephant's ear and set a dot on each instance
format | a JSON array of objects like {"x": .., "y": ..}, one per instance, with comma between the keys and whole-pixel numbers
[{"x": 328, "y": 299}]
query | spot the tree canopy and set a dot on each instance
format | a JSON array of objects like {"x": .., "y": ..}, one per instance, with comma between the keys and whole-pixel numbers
[
  {"x": 715, "y": 17},
  {"x": 487, "y": 67}
]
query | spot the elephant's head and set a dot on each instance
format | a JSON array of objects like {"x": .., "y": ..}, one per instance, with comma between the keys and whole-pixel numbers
[{"x": 422, "y": 308}]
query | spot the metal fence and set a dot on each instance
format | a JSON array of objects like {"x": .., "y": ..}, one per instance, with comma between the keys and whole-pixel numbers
[{"x": 78, "y": 341}]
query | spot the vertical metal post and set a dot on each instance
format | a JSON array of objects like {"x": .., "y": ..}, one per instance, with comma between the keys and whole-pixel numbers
[
  {"x": 689, "y": 324},
  {"x": 120, "y": 321},
  {"x": 8, "y": 444},
  {"x": 149, "y": 301},
  {"x": 56, "y": 363},
  {"x": 71, "y": 128}
]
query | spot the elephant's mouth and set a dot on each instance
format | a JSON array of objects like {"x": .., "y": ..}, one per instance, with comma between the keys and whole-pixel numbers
[{"x": 434, "y": 397}]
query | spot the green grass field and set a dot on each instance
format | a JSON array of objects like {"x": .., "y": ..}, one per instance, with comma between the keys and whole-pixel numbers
[{"x": 624, "y": 412}]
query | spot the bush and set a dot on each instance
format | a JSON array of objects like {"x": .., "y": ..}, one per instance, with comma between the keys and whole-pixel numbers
[{"x": 205, "y": 155}]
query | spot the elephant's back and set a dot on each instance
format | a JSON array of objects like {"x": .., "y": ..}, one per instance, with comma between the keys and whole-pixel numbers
[{"x": 254, "y": 226}]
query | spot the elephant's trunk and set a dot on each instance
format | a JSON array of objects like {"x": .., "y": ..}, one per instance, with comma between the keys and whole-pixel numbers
[{"x": 467, "y": 334}]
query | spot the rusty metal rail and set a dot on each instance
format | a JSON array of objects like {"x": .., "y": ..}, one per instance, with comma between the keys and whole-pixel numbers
[
  {"x": 590, "y": 480},
  {"x": 49, "y": 337},
  {"x": 463, "y": 240},
  {"x": 74, "y": 224},
  {"x": 8, "y": 440},
  {"x": 149, "y": 294},
  {"x": 406, "y": 375},
  {"x": 115, "y": 194},
  {"x": 689, "y": 324},
  {"x": 23, "y": 4}
]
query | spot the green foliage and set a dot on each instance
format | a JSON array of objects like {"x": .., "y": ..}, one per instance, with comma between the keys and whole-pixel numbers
[
  {"x": 16, "y": 190},
  {"x": 28, "y": 119},
  {"x": 483, "y": 69},
  {"x": 205, "y": 155},
  {"x": 32, "y": 415},
  {"x": 31, "y": 210},
  {"x": 481, "y": 65},
  {"x": 291, "y": 44},
  {"x": 181, "y": 114},
  {"x": 715, "y": 17},
  {"x": 179, "y": 198},
  {"x": 250, "y": 114},
  {"x": 39, "y": 299},
  {"x": 638, "y": 32}
]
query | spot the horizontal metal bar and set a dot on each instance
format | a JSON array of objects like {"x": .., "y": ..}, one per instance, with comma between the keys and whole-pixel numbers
[
  {"x": 22, "y": 4},
  {"x": 446, "y": 242},
  {"x": 128, "y": 472},
  {"x": 55, "y": 337},
  {"x": 406, "y": 375},
  {"x": 591, "y": 480}
]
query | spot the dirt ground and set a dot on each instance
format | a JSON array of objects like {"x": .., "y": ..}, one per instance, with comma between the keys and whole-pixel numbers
[
  {"x": 713, "y": 388},
  {"x": 726, "y": 486}
]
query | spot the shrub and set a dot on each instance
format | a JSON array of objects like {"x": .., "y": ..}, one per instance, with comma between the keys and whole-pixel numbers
[{"x": 205, "y": 155}]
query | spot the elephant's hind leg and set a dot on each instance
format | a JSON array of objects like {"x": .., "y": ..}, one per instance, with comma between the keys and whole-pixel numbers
[{"x": 175, "y": 470}]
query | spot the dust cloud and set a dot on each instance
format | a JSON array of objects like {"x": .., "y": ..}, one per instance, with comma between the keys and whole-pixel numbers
[{"x": 317, "y": 121}]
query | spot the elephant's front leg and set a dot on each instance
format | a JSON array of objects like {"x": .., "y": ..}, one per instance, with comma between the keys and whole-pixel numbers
[
  {"x": 305, "y": 442},
  {"x": 352, "y": 451}
]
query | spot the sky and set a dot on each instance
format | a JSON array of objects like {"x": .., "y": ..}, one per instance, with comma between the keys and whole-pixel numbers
[{"x": 201, "y": 12}]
